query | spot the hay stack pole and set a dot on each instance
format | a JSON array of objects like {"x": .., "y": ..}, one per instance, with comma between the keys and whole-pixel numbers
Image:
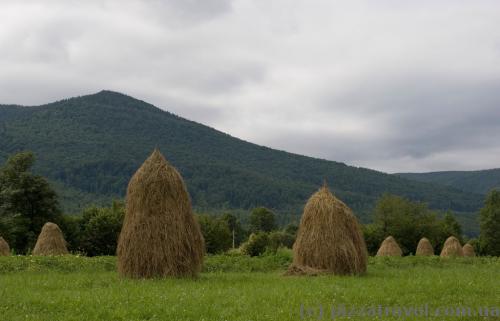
[
  {"x": 389, "y": 247},
  {"x": 329, "y": 239},
  {"x": 50, "y": 241},
  {"x": 468, "y": 250},
  {"x": 4, "y": 247},
  {"x": 424, "y": 248},
  {"x": 160, "y": 236},
  {"x": 452, "y": 248}
]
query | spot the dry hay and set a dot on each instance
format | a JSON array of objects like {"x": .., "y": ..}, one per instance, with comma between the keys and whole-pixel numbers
[
  {"x": 329, "y": 239},
  {"x": 468, "y": 250},
  {"x": 452, "y": 248},
  {"x": 298, "y": 270},
  {"x": 389, "y": 247},
  {"x": 50, "y": 241},
  {"x": 424, "y": 248},
  {"x": 160, "y": 236},
  {"x": 4, "y": 247}
]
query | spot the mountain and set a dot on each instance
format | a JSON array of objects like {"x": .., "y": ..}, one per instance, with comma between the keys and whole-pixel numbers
[
  {"x": 90, "y": 146},
  {"x": 480, "y": 182}
]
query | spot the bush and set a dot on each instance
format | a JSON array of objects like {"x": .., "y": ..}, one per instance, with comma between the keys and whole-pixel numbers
[
  {"x": 256, "y": 244},
  {"x": 101, "y": 228},
  {"x": 279, "y": 239},
  {"x": 216, "y": 233},
  {"x": 373, "y": 237}
]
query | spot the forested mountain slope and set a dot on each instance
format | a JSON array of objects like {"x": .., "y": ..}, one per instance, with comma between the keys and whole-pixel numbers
[
  {"x": 89, "y": 147},
  {"x": 471, "y": 181}
]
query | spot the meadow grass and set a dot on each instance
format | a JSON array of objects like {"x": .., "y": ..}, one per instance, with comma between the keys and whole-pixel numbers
[{"x": 235, "y": 287}]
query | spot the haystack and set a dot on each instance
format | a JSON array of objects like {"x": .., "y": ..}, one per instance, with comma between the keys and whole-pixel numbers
[
  {"x": 4, "y": 247},
  {"x": 424, "y": 248},
  {"x": 469, "y": 250},
  {"x": 50, "y": 241},
  {"x": 329, "y": 239},
  {"x": 389, "y": 247},
  {"x": 452, "y": 248},
  {"x": 160, "y": 236}
]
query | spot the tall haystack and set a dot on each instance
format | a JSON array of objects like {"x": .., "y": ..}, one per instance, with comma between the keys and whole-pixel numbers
[
  {"x": 424, "y": 248},
  {"x": 389, "y": 247},
  {"x": 468, "y": 250},
  {"x": 160, "y": 236},
  {"x": 4, "y": 247},
  {"x": 329, "y": 239},
  {"x": 50, "y": 241},
  {"x": 452, "y": 248}
]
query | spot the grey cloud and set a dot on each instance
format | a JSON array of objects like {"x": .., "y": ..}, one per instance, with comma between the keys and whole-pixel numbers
[
  {"x": 419, "y": 115},
  {"x": 393, "y": 86},
  {"x": 186, "y": 13}
]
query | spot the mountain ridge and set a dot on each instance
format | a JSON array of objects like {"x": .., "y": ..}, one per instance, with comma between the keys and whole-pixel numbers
[
  {"x": 477, "y": 181},
  {"x": 93, "y": 144}
]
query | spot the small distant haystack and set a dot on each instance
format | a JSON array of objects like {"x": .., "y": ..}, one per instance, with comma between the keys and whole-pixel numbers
[
  {"x": 424, "y": 248},
  {"x": 160, "y": 236},
  {"x": 4, "y": 247},
  {"x": 389, "y": 247},
  {"x": 329, "y": 239},
  {"x": 452, "y": 248},
  {"x": 50, "y": 241},
  {"x": 468, "y": 250}
]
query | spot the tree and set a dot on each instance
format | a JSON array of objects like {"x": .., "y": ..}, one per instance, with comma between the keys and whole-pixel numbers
[
  {"x": 262, "y": 219},
  {"x": 408, "y": 222},
  {"x": 26, "y": 201},
  {"x": 451, "y": 227},
  {"x": 489, "y": 238},
  {"x": 235, "y": 227},
  {"x": 101, "y": 228},
  {"x": 216, "y": 233},
  {"x": 71, "y": 225}
]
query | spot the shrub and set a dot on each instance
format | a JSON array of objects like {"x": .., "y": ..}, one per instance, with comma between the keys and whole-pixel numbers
[
  {"x": 279, "y": 239},
  {"x": 256, "y": 244},
  {"x": 216, "y": 233},
  {"x": 100, "y": 229}
]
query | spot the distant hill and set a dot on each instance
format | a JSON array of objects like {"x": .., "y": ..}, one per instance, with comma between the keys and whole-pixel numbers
[
  {"x": 90, "y": 146},
  {"x": 471, "y": 181}
]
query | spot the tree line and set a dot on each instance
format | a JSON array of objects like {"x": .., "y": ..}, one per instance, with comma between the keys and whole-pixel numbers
[{"x": 27, "y": 201}]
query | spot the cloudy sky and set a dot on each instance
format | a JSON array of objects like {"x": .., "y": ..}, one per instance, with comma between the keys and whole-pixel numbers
[{"x": 386, "y": 84}]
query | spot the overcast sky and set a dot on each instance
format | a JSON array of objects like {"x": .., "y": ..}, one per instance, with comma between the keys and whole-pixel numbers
[{"x": 386, "y": 84}]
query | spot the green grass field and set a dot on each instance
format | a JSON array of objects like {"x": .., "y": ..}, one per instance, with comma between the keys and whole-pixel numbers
[{"x": 234, "y": 287}]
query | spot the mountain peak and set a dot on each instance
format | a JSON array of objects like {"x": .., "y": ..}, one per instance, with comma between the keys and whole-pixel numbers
[
  {"x": 117, "y": 99},
  {"x": 108, "y": 93}
]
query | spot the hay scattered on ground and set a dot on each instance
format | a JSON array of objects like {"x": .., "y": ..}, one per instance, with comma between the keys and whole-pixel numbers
[
  {"x": 4, "y": 247},
  {"x": 329, "y": 239},
  {"x": 424, "y": 248},
  {"x": 297, "y": 270},
  {"x": 468, "y": 250},
  {"x": 452, "y": 248},
  {"x": 389, "y": 247},
  {"x": 160, "y": 236},
  {"x": 50, "y": 241}
]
